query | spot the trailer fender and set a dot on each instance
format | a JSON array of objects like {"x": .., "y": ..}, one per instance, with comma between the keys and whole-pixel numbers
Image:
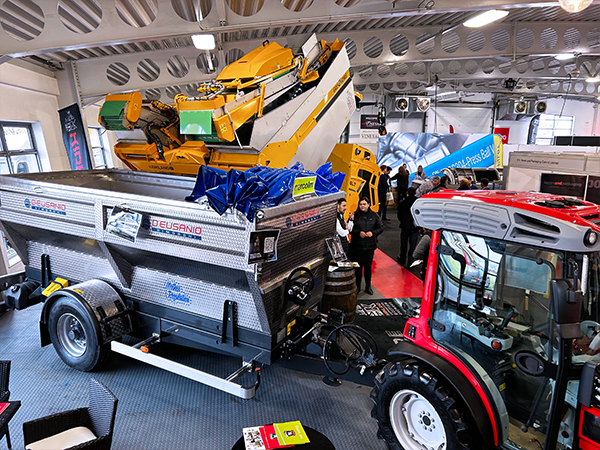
[
  {"x": 102, "y": 301},
  {"x": 460, "y": 383}
]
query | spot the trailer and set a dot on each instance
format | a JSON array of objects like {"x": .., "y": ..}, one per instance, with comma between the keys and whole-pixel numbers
[{"x": 116, "y": 253}]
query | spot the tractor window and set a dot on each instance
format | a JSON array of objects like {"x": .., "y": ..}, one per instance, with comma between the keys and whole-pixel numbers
[{"x": 493, "y": 300}]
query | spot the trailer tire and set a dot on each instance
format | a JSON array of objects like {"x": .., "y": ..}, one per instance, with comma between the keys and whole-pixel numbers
[
  {"x": 75, "y": 335},
  {"x": 415, "y": 408}
]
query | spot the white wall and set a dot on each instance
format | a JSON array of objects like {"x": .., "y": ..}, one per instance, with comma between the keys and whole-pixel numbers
[
  {"x": 582, "y": 111},
  {"x": 464, "y": 119},
  {"x": 29, "y": 94}
]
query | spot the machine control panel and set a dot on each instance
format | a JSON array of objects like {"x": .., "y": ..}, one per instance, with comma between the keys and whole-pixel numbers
[{"x": 589, "y": 385}]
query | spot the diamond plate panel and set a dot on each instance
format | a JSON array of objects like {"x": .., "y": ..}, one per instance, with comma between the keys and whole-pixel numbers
[{"x": 99, "y": 294}]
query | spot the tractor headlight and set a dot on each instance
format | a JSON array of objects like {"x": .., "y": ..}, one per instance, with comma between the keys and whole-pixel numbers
[{"x": 590, "y": 239}]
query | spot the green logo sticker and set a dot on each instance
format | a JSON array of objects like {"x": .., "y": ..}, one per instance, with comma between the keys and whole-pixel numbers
[{"x": 304, "y": 187}]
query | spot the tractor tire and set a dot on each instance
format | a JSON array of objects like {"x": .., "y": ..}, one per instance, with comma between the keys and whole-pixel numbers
[
  {"x": 75, "y": 335},
  {"x": 417, "y": 409}
]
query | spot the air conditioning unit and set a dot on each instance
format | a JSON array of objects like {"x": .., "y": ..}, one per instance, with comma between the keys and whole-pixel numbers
[
  {"x": 521, "y": 107},
  {"x": 401, "y": 104},
  {"x": 541, "y": 107},
  {"x": 423, "y": 104}
]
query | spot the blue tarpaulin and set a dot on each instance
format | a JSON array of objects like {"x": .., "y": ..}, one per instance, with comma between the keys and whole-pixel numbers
[{"x": 259, "y": 187}]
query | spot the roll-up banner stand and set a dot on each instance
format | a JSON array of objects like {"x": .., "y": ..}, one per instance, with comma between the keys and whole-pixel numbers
[
  {"x": 586, "y": 187},
  {"x": 73, "y": 133}
]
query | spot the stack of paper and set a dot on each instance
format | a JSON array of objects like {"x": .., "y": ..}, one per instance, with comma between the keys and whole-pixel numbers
[{"x": 278, "y": 435}]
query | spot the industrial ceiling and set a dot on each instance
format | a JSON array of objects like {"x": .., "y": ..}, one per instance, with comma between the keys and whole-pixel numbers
[{"x": 395, "y": 46}]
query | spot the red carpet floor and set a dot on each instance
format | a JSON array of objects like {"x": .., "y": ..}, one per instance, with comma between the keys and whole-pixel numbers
[{"x": 392, "y": 280}]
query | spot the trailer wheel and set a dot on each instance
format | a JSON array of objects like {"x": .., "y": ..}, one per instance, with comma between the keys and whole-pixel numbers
[
  {"x": 74, "y": 333},
  {"x": 416, "y": 410}
]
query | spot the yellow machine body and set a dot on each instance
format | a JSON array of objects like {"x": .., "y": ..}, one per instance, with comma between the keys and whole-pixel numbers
[
  {"x": 268, "y": 108},
  {"x": 362, "y": 174}
]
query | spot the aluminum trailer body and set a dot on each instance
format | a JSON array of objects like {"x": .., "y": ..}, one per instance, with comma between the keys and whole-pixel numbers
[{"x": 185, "y": 278}]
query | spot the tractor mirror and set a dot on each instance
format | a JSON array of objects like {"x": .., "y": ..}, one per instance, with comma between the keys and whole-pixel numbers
[{"x": 566, "y": 302}]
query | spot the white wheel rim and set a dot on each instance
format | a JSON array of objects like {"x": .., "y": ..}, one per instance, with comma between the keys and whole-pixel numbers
[
  {"x": 416, "y": 423},
  {"x": 71, "y": 335}
]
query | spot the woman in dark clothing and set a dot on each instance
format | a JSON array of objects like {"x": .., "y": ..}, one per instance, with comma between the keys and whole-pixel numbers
[
  {"x": 402, "y": 182},
  {"x": 367, "y": 226}
]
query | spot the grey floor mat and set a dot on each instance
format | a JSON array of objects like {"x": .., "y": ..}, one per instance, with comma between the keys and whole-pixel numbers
[{"x": 160, "y": 410}]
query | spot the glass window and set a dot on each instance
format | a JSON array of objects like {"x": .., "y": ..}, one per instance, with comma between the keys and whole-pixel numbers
[
  {"x": 551, "y": 125},
  {"x": 17, "y": 138},
  {"x": 18, "y": 153},
  {"x": 493, "y": 300}
]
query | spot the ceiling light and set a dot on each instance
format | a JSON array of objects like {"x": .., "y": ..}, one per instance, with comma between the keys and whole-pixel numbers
[
  {"x": 444, "y": 94},
  {"x": 204, "y": 41},
  {"x": 574, "y": 6},
  {"x": 564, "y": 56},
  {"x": 593, "y": 80},
  {"x": 485, "y": 18}
]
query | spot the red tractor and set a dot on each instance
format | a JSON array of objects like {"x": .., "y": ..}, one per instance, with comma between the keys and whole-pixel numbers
[{"x": 505, "y": 351}]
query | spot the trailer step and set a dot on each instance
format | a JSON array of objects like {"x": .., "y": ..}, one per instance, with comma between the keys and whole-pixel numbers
[{"x": 226, "y": 385}]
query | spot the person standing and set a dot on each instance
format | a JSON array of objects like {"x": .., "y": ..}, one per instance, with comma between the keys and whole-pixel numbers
[
  {"x": 410, "y": 232},
  {"x": 401, "y": 182},
  {"x": 344, "y": 228},
  {"x": 367, "y": 226},
  {"x": 428, "y": 186},
  {"x": 382, "y": 190},
  {"x": 464, "y": 185},
  {"x": 420, "y": 175},
  {"x": 485, "y": 184},
  {"x": 442, "y": 185}
]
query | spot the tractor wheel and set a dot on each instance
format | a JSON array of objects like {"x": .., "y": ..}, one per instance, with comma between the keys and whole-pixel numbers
[
  {"x": 416, "y": 409},
  {"x": 74, "y": 333}
]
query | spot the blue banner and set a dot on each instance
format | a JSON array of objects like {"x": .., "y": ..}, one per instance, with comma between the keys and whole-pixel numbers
[{"x": 477, "y": 154}]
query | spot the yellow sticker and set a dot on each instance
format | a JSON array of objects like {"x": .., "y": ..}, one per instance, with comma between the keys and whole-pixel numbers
[
  {"x": 290, "y": 325},
  {"x": 502, "y": 386},
  {"x": 90, "y": 241},
  {"x": 79, "y": 291}
]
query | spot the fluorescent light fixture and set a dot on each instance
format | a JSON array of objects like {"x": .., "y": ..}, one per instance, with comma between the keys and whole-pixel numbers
[
  {"x": 593, "y": 80},
  {"x": 484, "y": 18},
  {"x": 444, "y": 94},
  {"x": 204, "y": 41},
  {"x": 564, "y": 56}
]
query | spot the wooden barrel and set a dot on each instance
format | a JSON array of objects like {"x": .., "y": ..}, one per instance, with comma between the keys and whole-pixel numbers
[{"x": 340, "y": 293}]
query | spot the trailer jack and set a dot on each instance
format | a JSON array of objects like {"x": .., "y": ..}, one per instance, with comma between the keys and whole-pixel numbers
[{"x": 223, "y": 384}]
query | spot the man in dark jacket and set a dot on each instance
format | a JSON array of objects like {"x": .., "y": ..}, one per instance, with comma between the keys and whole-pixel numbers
[
  {"x": 410, "y": 232},
  {"x": 367, "y": 226},
  {"x": 382, "y": 190},
  {"x": 442, "y": 185}
]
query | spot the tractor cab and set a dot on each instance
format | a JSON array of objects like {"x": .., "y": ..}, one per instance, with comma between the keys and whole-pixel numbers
[{"x": 509, "y": 328}]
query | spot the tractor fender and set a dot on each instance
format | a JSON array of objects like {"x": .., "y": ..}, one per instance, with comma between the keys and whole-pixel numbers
[
  {"x": 465, "y": 389},
  {"x": 102, "y": 301}
]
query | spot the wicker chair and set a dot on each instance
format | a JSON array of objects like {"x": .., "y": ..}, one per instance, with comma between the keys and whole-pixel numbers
[
  {"x": 4, "y": 394},
  {"x": 98, "y": 418},
  {"x": 4, "y": 376}
]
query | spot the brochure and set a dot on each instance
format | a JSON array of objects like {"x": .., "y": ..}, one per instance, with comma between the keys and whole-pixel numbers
[
  {"x": 253, "y": 439},
  {"x": 270, "y": 437},
  {"x": 291, "y": 433}
]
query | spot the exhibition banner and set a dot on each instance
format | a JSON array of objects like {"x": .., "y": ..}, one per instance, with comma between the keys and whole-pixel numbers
[
  {"x": 74, "y": 139},
  {"x": 438, "y": 151}
]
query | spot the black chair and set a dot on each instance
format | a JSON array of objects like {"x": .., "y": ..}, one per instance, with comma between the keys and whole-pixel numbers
[
  {"x": 99, "y": 418},
  {"x": 4, "y": 376}
]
